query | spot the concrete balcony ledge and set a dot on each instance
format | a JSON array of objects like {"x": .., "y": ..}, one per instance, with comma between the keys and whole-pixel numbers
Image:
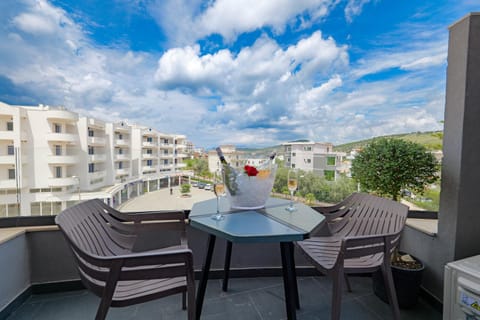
[
  {"x": 62, "y": 137},
  {"x": 7, "y": 159},
  {"x": 96, "y": 141}
]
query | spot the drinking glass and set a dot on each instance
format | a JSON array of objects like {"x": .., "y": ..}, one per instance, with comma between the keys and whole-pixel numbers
[
  {"x": 292, "y": 184},
  {"x": 219, "y": 190}
]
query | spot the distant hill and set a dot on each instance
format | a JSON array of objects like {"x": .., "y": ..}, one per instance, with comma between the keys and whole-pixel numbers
[{"x": 432, "y": 140}]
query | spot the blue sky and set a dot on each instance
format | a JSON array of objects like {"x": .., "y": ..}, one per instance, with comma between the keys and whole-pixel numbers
[{"x": 250, "y": 72}]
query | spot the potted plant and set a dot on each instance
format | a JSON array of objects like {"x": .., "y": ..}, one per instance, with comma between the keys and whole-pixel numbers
[{"x": 407, "y": 276}]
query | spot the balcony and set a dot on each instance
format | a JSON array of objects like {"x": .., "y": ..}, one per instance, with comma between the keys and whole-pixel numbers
[
  {"x": 96, "y": 123},
  {"x": 97, "y": 174},
  {"x": 149, "y": 156},
  {"x": 42, "y": 258},
  {"x": 166, "y": 156},
  {"x": 8, "y": 135},
  {"x": 97, "y": 157},
  {"x": 62, "y": 137},
  {"x": 181, "y": 165},
  {"x": 61, "y": 116},
  {"x": 167, "y": 145},
  {"x": 122, "y": 172},
  {"x": 8, "y": 159},
  {"x": 149, "y": 144},
  {"x": 96, "y": 141},
  {"x": 122, "y": 142},
  {"x": 122, "y": 156},
  {"x": 147, "y": 169},
  {"x": 62, "y": 159},
  {"x": 62, "y": 182},
  {"x": 8, "y": 184}
]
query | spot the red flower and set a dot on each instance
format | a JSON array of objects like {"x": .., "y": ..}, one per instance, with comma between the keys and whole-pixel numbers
[{"x": 250, "y": 171}]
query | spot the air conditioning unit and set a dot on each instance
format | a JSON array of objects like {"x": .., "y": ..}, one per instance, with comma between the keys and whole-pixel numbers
[{"x": 461, "y": 299}]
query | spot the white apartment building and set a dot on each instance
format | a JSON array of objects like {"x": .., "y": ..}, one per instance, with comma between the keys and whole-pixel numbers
[
  {"x": 51, "y": 158},
  {"x": 234, "y": 157},
  {"x": 316, "y": 157}
]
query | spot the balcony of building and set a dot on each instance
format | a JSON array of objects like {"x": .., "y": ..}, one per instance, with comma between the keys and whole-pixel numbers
[
  {"x": 121, "y": 156},
  {"x": 61, "y": 115},
  {"x": 71, "y": 138},
  {"x": 7, "y": 159},
  {"x": 97, "y": 174},
  {"x": 100, "y": 157},
  {"x": 149, "y": 144},
  {"x": 62, "y": 159},
  {"x": 96, "y": 141},
  {"x": 62, "y": 181},
  {"x": 122, "y": 142}
]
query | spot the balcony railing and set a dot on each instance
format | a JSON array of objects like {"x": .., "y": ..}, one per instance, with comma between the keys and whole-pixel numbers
[
  {"x": 62, "y": 159},
  {"x": 62, "y": 115},
  {"x": 97, "y": 157},
  {"x": 122, "y": 156},
  {"x": 62, "y": 182},
  {"x": 62, "y": 137},
  {"x": 96, "y": 141},
  {"x": 8, "y": 135},
  {"x": 97, "y": 174},
  {"x": 8, "y": 159}
]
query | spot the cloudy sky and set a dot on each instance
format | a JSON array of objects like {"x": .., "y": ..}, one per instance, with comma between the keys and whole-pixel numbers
[{"x": 249, "y": 72}]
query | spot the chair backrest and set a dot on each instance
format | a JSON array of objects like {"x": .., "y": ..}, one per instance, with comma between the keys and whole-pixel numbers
[
  {"x": 93, "y": 231},
  {"x": 93, "y": 234},
  {"x": 365, "y": 214}
]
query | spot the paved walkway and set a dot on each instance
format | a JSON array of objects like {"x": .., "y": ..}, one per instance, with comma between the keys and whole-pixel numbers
[{"x": 163, "y": 200}]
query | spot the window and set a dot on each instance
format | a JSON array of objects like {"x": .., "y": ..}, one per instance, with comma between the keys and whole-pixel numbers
[
  {"x": 11, "y": 174},
  {"x": 329, "y": 175},
  {"x": 165, "y": 162},
  {"x": 120, "y": 165},
  {"x": 9, "y": 126},
  {"x": 10, "y": 150},
  {"x": 58, "y": 150},
  {"x": 308, "y": 160},
  {"x": 330, "y": 161},
  {"x": 120, "y": 136},
  {"x": 149, "y": 151},
  {"x": 91, "y": 150},
  {"x": 307, "y": 148},
  {"x": 149, "y": 163},
  {"x": 57, "y": 128},
  {"x": 91, "y": 167},
  {"x": 293, "y": 154},
  {"x": 58, "y": 172},
  {"x": 120, "y": 151},
  {"x": 293, "y": 165},
  {"x": 149, "y": 139},
  {"x": 90, "y": 133},
  {"x": 165, "y": 152}
]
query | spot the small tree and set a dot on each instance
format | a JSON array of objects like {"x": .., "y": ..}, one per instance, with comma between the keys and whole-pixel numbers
[
  {"x": 185, "y": 188},
  {"x": 386, "y": 166}
]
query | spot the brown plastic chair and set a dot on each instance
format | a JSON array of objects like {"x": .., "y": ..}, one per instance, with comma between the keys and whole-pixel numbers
[
  {"x": 102, "y": 240},
  {"x": 364, "y": 231}
]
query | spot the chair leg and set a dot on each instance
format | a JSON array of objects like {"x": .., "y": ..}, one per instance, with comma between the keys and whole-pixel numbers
[
  {"x": 338, "y": 278},
  {"x": 109, "y": 290},
  {"x": 390, "y": 288},
  {"x": 347, "y": 283}
]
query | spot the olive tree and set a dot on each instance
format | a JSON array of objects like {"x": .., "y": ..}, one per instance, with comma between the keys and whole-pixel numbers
[{"x": 386, "y": 166}]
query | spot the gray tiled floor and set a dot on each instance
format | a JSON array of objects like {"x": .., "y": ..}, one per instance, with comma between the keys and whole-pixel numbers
[{"x": 252, "y": 298}]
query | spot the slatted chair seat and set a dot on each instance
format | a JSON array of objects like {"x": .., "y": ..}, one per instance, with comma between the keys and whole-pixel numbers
[
  {"x": 363, "y": 232},
  {"x": 103, "y": 240}
]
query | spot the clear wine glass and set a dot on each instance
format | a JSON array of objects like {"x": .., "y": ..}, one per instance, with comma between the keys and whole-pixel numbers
[
  {"x": 219, "y": 190},
  {"x": 292, "y": 184}
]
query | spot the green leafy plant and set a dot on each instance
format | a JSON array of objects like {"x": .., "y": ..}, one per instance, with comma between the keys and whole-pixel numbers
[
  {"x": 185, "y": 188},
  {"x": 386, "y": 166}
]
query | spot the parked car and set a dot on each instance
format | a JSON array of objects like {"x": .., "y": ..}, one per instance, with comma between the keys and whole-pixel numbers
[
  {"x": 208, "y": 186},
  {"x": 194, "y": 183},
  {"x": 201, "y": 185}
]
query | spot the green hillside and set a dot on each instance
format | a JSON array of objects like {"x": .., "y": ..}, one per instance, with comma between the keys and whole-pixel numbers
[{"x": 432, "y": 140}]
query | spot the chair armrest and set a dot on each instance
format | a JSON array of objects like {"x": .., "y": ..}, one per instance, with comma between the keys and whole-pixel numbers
[
  {"x": 360, "y": 246},
  {"x": 175, "y": 254}
]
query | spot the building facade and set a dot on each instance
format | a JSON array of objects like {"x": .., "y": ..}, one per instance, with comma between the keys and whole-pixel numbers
[
  {"x": 316, "y": 157},
  {"x": 234, "y": 157},
  {"x": 50, "y": 158}
]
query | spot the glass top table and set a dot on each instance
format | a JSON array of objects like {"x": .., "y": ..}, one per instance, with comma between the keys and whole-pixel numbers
[{"x": 270, "y": 224}]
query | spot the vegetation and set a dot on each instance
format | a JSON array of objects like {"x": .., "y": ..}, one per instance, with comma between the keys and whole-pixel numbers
[
  {"x": 386, "y": 166},
  {"x": 430, "y": 140},
  {"x": 185, "y": 188},
  {"x": 199, "y": 167},
  {"x": 314, "y": 188}
]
